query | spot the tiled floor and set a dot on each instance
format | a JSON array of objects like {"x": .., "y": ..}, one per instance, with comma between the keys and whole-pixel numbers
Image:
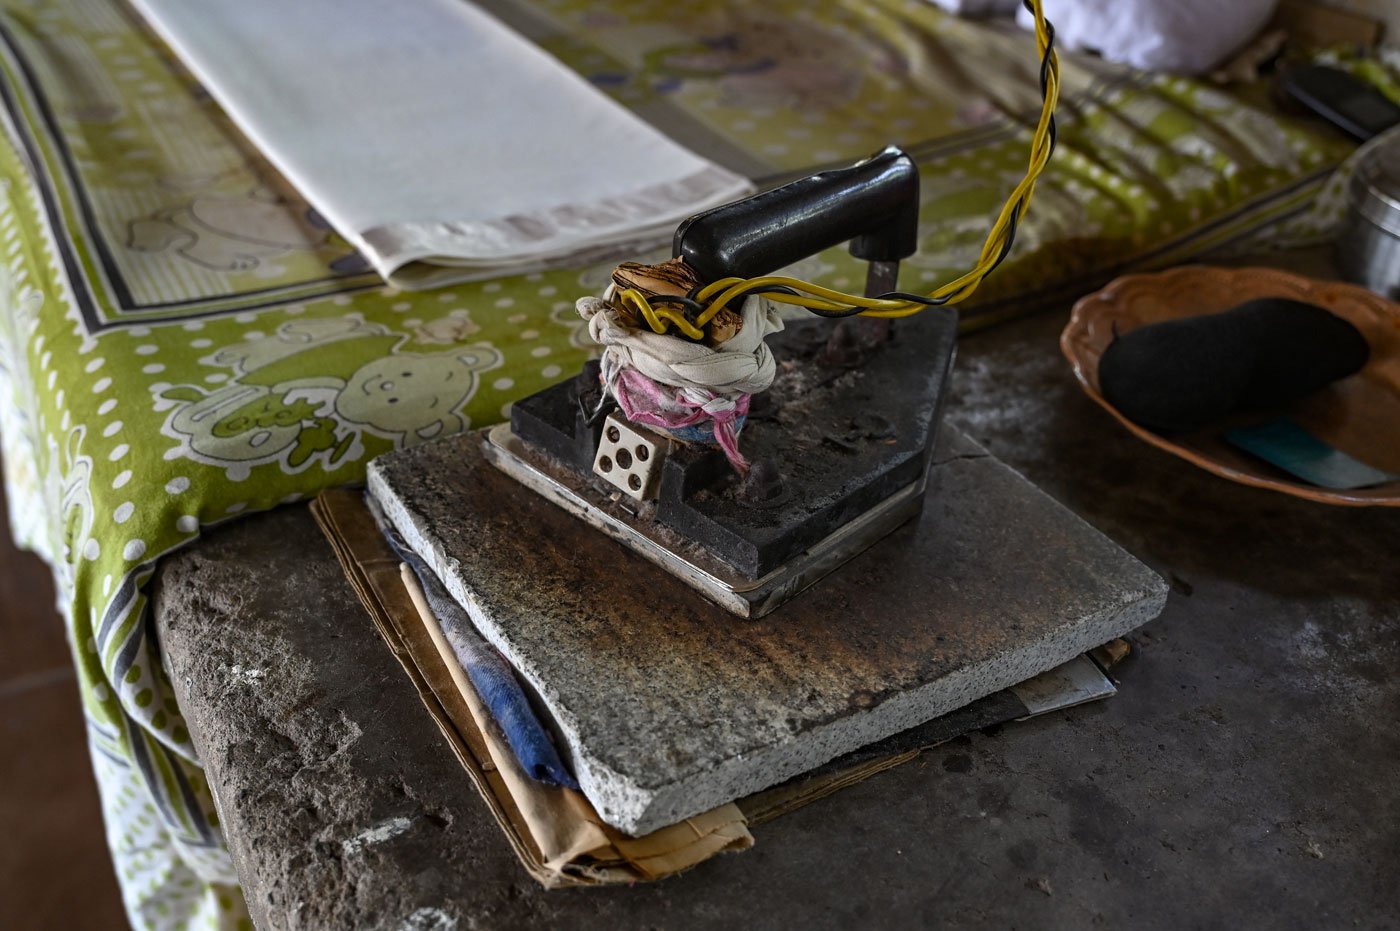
[{"x": 54, "y": 867}]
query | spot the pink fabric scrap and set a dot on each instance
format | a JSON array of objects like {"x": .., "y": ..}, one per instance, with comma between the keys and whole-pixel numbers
[{"x": 672, "y": 409}]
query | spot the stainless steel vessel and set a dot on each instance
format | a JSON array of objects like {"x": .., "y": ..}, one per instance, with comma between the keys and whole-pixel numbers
[{"x": 1368, "y": 243}]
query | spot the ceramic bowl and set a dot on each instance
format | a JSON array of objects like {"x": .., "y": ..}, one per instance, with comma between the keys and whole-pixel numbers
[{"x": 1359, "y": 415}]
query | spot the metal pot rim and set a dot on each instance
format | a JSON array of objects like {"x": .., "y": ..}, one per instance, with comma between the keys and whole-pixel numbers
[{"x": 1374, "y": 189}]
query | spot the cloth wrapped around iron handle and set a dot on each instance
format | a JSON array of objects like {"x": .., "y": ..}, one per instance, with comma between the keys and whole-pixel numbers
[{"x": 873, "y": 203}]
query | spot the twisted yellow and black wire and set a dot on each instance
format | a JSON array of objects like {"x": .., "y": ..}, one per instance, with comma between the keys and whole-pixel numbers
[{"x": 706, "y": 302}]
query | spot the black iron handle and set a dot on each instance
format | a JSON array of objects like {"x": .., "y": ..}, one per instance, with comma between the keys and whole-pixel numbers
[{"x": 873, "y": 203}]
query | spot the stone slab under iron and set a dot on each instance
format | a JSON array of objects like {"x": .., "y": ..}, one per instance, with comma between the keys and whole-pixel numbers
[{"x": 668, "y": 705}]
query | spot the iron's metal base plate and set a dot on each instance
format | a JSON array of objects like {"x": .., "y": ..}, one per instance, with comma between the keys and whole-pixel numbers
[{"x": 614, "y": 515}]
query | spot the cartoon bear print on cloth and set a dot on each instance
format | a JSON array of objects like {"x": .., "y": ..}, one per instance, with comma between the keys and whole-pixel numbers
[
  {"x": 307, "y": 394},
  {"x": 758, "y": 60},
  {"x": 235, "y": 232},
  {"x": 454, "y": 328},
  {"x": 411, "y": 397}
]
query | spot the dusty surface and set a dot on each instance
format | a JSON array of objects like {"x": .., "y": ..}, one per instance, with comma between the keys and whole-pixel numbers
[
  {"x": 1244, "y": 777},
  {"x": 671, "y": 706}
]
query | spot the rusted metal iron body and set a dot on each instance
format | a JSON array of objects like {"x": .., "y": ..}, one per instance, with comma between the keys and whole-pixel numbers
[{"x": 846, "y": 452}]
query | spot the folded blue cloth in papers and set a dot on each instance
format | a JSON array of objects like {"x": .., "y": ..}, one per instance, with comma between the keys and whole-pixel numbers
[{"x": 488, "y": 671}]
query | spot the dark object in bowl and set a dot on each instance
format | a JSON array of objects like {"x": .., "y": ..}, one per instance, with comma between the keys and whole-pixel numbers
[
  {"x": 1357, "y": 414},
  {"x": 1181, "y": 375}
]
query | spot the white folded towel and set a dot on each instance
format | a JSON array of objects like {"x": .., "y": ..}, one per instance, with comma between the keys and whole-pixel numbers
[{"x": 436, "y": 140}]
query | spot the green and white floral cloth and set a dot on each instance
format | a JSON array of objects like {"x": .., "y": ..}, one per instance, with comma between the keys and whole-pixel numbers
[{"x": 183, "y": 341}]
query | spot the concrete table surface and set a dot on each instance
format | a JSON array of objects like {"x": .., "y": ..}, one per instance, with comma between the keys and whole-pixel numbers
[{"x": 1245, "y": 776}]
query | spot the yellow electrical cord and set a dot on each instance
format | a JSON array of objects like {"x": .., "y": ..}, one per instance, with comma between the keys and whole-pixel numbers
[
  {"x": 717, "y": 294},
  {"x": 658, "y": 318}
]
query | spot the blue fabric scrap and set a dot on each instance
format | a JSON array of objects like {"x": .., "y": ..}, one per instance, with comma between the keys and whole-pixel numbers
[{"x": 490, "y": 674}]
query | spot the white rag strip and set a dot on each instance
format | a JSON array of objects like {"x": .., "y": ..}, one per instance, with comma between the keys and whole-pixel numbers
[
  {"x": 429, "y": 134},
  {"x": 743, "y": 365}
]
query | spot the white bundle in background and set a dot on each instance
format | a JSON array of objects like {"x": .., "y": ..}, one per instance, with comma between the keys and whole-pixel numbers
[
  {"x": 1181, "y": 36},
  {"x": 980, "y": 7}
]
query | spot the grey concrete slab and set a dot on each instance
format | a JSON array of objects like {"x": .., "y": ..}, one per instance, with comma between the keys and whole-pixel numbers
[
  {"x": 1244, "y": 776},
  {"x": 670, "y": 706}
]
